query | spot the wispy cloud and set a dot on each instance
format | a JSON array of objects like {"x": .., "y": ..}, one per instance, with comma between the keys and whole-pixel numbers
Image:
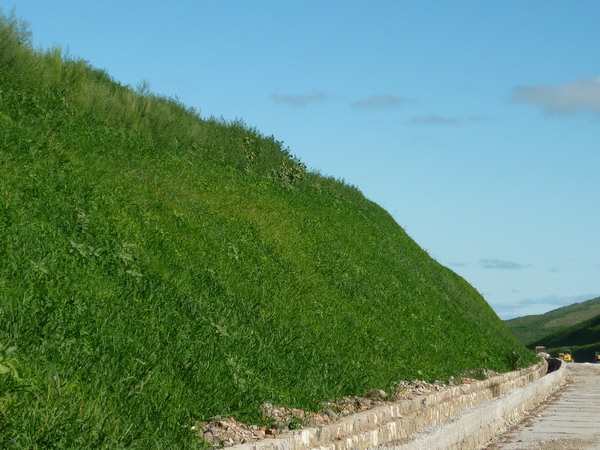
[
  {"x": 457, "y": 264},
  {"x": 493, "y": 263},
  {"x": 567, "y": 98},
  {"x": 479, "y": 119},
  {"x": 379, "y": 101},
  {"x": 436, "y": 119},
  {"x": 433, "y": 119},
  {"x": 300, "y": 100}
]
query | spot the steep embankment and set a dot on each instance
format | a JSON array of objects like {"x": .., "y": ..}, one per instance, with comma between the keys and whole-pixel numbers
[
  {"x": 157, "y": 269},
  {"x": 532, "y": 328},
  {"x": 582, "y": 339}
]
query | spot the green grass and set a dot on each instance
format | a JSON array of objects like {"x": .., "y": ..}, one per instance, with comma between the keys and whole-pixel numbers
[
  {"x": 532, "y": 328},
  {"x": 158, "y": 268},
  {"x": 583, "y": 339}
]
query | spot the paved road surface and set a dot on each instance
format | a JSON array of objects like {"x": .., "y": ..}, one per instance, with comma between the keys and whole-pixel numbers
[{"x": 568, "y": 420}]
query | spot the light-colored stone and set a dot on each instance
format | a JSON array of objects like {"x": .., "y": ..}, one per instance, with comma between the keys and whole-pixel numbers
[{"x": 377, "y": 394}]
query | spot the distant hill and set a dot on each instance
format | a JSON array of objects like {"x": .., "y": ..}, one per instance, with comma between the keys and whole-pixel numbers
[
  {"x": 158, "y": 268},
  {"x": 582, "y": 339},
  {"x": 531, "y": 328}
]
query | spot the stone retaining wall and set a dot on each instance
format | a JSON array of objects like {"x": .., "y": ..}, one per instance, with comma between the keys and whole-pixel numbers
[
  {"x": 393, "y": 424},
  {"x": 479, "y": 424}
]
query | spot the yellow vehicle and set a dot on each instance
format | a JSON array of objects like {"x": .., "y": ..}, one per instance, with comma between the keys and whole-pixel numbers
[
  {"x": 568, "y": 357},
  {"x": 597, "y": 357}
]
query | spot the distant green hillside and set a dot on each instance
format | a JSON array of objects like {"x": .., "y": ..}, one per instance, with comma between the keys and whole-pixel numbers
[
  {"x": 582, "y": 339},
  {"x": 157, "y": 268},
  {"x": 532, "y": 328}
]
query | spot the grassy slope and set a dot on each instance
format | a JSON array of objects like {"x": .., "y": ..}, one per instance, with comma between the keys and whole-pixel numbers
[
  {"x": 582, "y": 339},
  {"x": 157, "y": 269},
  {"x": 534, "y": 327}
]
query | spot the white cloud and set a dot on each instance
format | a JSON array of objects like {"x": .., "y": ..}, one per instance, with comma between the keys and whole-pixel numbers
[
  {"x": 567, "y": 98},
  {"x": 300, "y": 100},
  {"x": 379, "y": 101}
]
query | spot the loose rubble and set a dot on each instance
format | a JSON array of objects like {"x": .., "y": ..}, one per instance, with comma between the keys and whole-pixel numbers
[{"x": 226, "y": 432}]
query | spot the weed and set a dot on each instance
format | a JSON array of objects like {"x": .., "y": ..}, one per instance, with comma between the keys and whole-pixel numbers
[
  {"x": 295, "y": 423},
  {"x": 8, "y": 363},
  {"x": 515, "y": 360}
]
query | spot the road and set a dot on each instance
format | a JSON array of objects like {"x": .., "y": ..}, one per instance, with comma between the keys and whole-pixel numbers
[{"x": 568, "y": 420}]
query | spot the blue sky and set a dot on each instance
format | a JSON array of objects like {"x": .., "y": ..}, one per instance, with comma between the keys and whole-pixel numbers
[{"x": 475, "y": 124}]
